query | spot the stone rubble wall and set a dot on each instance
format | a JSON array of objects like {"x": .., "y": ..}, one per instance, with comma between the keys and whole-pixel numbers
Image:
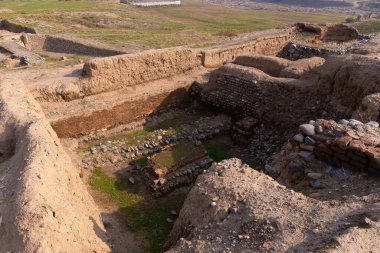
[
  {"x": 293, "y": 51},
  {"x": 67, "y": 46},
  {"x": 44, "y": 205},
  {"x": 349, "y": 143}
]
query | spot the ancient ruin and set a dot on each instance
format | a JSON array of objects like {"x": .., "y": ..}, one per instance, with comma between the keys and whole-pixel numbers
[{"x": 273, "y": 141}]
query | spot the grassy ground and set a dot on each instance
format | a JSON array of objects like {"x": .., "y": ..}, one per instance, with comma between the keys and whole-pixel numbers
[
  {"x": 368, "y": 26},
  {"x": 194, "y": 23},
  {"x": 147, "y": 219}
]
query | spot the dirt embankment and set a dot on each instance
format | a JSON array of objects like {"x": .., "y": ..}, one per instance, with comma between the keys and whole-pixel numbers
[
  {"x": 44, "y": 205},
  {"x": 233, "y": 208}
]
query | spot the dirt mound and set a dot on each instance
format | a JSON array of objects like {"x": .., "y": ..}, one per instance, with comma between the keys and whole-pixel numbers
[
  {"x": 233, "y": 208},
  {"x": 279, "y": 67},
  {"x": 44, "y": 205}
]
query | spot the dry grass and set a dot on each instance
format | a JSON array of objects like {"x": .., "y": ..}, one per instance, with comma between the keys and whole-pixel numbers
[{"x": 193, "y": 23}]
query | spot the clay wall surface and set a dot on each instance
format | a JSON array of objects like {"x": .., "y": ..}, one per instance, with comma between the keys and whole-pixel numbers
[
  {"x": 270, "y": 45},
  {"x": 15, "y": 28},
  {"x": 44, "y": 205},
  {"x": 67, "y": 46},
  {"x": 116, "y": 72}
]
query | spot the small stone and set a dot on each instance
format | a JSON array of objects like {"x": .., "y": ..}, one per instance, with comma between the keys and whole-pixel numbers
[
  {"x": 309, "y": 140},
  {"x": 315, "y": 195},
  {"x": 198, "y": 143},
  {"x": 173, "y": 212},
  {"x": 169, "y": 220},
  {"x": 213, "y": 203},
  {"x": 299, "y": 138},
  {"x": 314, "y": 175},
  {"x": 132, "y": 180},
  {"x": 373, "y": 124},
  {"x": 319, "y": 129},
  {"x": 367, "y": 220},
  {"x": 354, "y": 122},
  {"x": 316, "y": 184},
  {"x": 307, "y": 147},
  {"x": 234, "y": 210},
  {"x": 312, "y": 122},
  {"x": 307, "y": 129},
  {"x": 306, "y": 155}
]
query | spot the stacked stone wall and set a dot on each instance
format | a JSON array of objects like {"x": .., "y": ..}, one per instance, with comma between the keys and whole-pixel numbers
[{"x": 349, "y": 144}]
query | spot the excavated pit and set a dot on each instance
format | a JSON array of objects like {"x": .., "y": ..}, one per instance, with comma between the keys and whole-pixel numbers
[{"x": 141, "y": 128}]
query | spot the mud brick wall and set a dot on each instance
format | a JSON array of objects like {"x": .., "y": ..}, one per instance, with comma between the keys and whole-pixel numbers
[
  {"x": 349, "y": 144},
  {"x": 270, "y": 45},
  {"x": 274, "y": 101},
  {"x": 116, "y": 72}
]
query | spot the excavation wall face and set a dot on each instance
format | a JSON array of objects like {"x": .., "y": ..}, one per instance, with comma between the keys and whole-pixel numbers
[
  {"x": 266, "y": 46},
  {"x": 9, "y": 26},
  {"x": 67, "y": 46},
  {"x": 116, "y": 72},
  {"x": 123, "y": 113},
  {"x": 44, "y": 205}
]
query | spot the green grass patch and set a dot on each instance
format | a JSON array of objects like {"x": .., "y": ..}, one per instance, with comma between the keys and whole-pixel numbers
[
  {"x": 218, "y": 150},
  {"x": 143, "y": 161},
  {"x": 179, "y": 154},
  {"x": 147, "y": 219}
]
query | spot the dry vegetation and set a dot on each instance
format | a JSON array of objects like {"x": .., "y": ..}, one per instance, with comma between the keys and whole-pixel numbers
[{"x": 194, "y": 23}]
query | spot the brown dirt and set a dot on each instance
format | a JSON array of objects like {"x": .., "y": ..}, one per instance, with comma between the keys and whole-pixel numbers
[
  {"x": 42, "y": 193},
  {"x": 269, "y": 218}
]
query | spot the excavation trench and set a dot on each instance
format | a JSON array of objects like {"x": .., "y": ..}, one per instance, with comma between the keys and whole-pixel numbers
[
  {"x": 140, "y": 136},
  {"x": 140, "y": 148}
]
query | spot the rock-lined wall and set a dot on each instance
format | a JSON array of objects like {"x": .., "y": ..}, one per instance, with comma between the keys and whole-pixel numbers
[
  {"x": 270, "y": 45},
  {"x": 116, "y": 72},
  {"x": 15, "y": 28},
  {"x": 67, "y": 46},
  {"x": 349, "y": 143},
  {"x": 44, "y": 205}
]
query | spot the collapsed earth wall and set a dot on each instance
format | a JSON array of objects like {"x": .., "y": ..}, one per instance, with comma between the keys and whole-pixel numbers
[{"x": 44, "y": 205}]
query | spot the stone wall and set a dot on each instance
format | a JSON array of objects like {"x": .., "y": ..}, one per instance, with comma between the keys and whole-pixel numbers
[
  {"x": 349, "y": 143},
  {"x": 269, "y": 45},
  {"x": 15, "y": 28},
  {"x": 116, "y": 72},
  {"x": 293, "y": 51},
  {"x": 67, "y": 46}
]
